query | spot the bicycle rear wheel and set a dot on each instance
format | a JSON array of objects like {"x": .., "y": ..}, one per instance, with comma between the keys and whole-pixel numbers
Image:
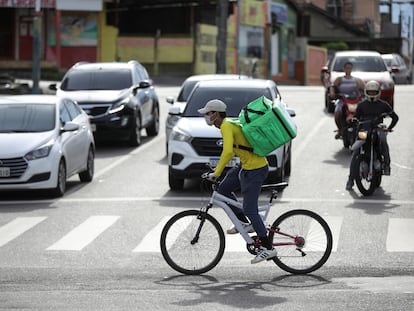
[
  {"x": 308, "y": 244},
  {"x": 192, "y": 242}
]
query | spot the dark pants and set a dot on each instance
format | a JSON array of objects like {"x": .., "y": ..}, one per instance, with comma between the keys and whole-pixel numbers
[{"x": 250, "y": 183}]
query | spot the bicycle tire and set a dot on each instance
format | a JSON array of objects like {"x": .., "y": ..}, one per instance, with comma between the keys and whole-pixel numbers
[
  {"x": 317, "y": 241},
  {"x": 192, "y": 258}
]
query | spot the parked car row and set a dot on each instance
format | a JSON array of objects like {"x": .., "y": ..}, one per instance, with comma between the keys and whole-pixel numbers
[{"x": 45, "y": 139}]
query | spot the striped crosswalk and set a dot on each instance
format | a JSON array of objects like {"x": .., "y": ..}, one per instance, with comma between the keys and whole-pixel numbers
[{"x": 399, "y": 235}]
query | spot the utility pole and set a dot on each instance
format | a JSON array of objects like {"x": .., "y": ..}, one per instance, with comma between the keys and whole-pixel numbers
[
  {"x": 37, "y": 28},
  {"x": 222, "y": 12}
]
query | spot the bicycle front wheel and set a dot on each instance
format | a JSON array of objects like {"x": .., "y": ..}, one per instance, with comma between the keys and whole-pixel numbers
[
  {"x": 303, "y": 241},
  {"x": 192, "y": 242}
]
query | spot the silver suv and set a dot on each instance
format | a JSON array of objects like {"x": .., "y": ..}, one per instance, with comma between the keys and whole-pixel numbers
[
  {"x": 193, "y": 144},
  {"x": 118, "y": 97}
]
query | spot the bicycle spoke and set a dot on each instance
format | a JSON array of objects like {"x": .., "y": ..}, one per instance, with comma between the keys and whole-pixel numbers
[
  {"x": 187, "y": 254},
  {"x": 313, "y": 243}
]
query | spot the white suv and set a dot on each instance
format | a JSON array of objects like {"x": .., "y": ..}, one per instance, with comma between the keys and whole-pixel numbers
[{"x": 193, "y": 143}]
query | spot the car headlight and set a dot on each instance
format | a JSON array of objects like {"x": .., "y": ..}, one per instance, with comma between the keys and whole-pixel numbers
[
  {"x": 387, "y": 85},
  {"x": 118, "y": 106},
  {"x": 180, "y": 136},
  {"x": 39, "y": 153}
]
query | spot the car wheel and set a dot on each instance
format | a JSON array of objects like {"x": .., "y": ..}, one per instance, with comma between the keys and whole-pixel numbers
[
  {"x": 154, "y": 128},
  {"x": 175, "y": 183},
  {"x": 87, "y": 175},
  {"x": 60, "y": 188},
  {"x": 135, "y": 136}
]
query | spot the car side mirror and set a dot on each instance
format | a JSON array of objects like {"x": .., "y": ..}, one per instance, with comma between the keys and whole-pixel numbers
[
  {"x": 175, "y": 111},
  {"x": 170, "y": 100},
  {"x": 70, "y": 127},
  {"x": 291, "y": 112},
  {"x": 394, "y": 69},
  {"x": 53, "y": 87}
]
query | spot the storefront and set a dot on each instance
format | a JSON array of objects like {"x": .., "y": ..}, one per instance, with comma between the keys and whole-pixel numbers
[{"x": 69, "y": 32}]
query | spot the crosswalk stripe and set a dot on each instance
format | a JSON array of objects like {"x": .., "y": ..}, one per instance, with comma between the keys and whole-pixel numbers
[
  {"x": 150, "y": 242},
  {"x": 335, "y": 224},
  {"x": 84, "y": 234},
  {"x": 17, "y": 227},
  {"x": 400, "y": 235}
]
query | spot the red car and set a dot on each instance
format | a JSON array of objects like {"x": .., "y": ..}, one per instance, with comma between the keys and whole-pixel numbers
[{"x": 367, "y": 65}]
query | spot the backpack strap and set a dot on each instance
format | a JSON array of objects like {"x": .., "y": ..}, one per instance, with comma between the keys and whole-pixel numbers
[
  {"x": 247, "y": 109},
  {"x": 243, "y": 147}
]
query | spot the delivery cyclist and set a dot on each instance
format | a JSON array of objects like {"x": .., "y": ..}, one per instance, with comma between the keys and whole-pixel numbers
[{"x": 249, "y": 177}]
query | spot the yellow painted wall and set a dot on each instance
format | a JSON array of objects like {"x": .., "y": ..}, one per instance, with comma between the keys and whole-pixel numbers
[
  {"x": 170, "y": 50},
  {"x": 205, "y": 50}
]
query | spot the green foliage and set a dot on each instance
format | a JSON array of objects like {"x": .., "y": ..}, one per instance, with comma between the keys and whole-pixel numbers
[{"x": 337, "y": 46}]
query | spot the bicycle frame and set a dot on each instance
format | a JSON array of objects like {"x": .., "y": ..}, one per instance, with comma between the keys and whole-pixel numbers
[{"x": 222, "y": 201}]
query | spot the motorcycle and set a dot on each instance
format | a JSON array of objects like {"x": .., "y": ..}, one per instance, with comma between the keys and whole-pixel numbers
[
  {"x": 350, "y": 103},
  {"x": 368, "y": 165}
]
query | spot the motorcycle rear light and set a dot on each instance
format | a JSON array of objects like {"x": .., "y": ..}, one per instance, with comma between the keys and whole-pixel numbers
[{"x": 362, "y": 135}]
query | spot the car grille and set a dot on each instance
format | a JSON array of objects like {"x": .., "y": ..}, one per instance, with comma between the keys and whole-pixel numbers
[
  {"x": 17, "y": 166},
  {"x": 207, "y": 146},
  {"x": 95, "y": 109}
]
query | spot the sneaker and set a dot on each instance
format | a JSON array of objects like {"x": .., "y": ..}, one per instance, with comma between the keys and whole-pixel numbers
[
  {"x": 233, "y": 229},
  {"x": 387, "y": 171},
  {"x": 264, "y": 254},
  {"x": 349, "y": 185}
]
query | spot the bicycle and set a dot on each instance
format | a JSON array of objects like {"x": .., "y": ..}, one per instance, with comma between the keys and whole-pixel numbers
[{"x": 193, "y": 242}]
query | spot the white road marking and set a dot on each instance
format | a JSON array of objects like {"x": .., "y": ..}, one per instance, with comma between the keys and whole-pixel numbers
[
  {"x": 400, "y": 235},
  {"x": 17, "y": 227},
  {"x": 84, "y": 234},
  {"x": 150, "y": 241}
]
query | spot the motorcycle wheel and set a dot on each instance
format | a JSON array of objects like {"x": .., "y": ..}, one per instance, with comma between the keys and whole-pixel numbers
[{"x": 365, "y": 186}]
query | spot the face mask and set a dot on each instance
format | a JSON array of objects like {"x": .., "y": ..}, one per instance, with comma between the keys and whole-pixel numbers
[{"x": 208, "y": 120}]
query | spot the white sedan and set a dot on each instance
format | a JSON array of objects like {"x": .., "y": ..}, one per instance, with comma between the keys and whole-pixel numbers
[{"x": 44, "y": 140}]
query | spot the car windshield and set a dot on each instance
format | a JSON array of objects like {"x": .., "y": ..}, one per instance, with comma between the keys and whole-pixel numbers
[
  {"x": 186, "y": 90},
  {"x": 27, "y": 118},
  {"x": 388, "y": 62},
  {"x": 361, "y": 63},
  {"x": 234, "y": 98},
  {"x": 78, "y": 80}
]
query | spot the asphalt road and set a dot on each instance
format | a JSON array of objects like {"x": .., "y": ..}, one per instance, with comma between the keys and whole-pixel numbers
[{"x": 97, "y": 248}]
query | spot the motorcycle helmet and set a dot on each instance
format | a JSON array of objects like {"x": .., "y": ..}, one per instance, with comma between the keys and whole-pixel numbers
[{"x": 372, "y": 90}]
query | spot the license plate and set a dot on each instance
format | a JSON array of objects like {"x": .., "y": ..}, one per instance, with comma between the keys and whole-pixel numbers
[
  {"x": 231, "y": 163},
  {"x": 4, "y": 171}
]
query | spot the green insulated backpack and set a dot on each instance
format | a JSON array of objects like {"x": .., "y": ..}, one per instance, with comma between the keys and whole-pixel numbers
[{"x": 265, "y": 126}]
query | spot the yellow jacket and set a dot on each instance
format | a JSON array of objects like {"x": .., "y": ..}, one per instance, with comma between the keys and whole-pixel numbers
[{"x": 232, "y": 138}]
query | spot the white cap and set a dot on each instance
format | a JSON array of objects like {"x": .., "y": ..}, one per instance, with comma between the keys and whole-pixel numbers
[{"x": 213, "y": 105}]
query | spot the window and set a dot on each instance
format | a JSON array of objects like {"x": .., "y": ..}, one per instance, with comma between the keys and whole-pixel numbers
[
  {"x": 73, "y": 109},
  {"x": 334, "y": 7}
]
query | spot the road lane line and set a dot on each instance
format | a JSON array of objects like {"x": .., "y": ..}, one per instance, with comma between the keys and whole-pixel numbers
[
  {"x": 84, "y": 234},
  {"x": 124, "y": 158},
  {"x": 400, "y": 235},
  {"x": 17, "y": 227},
  {"x": 150, "y": 241},
  {"x": 198, "y": 199}
]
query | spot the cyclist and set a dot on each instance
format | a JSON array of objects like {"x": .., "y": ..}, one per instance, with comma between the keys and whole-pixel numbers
[
  {"x": 249, "y": 177},
  {"x": 346, "y": 84},
  {"x": 370, "y": 109}
]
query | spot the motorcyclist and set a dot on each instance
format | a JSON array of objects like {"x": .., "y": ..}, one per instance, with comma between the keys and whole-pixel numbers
[
  {"x": 371, "y": 109},
  {"x": 346, "y": 84}
]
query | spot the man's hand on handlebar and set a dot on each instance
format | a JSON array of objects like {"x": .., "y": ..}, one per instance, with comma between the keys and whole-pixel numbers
[{"x": 209, "y": 176}]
